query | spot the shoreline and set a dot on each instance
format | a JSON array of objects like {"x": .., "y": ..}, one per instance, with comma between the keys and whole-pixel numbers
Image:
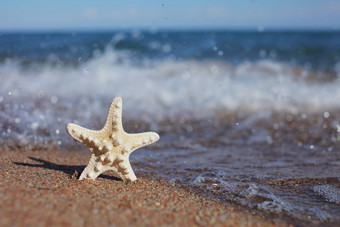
[{"x": 41, "y": 188}]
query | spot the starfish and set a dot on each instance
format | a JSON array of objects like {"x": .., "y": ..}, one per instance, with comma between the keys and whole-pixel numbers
[{"x": 111, "y": 146}]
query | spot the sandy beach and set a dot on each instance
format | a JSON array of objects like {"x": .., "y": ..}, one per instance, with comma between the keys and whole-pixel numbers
[{"x": 40, "y": 188}]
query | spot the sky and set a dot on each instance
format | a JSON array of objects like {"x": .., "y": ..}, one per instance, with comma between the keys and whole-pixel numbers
[{"x": 175, "y": 14}]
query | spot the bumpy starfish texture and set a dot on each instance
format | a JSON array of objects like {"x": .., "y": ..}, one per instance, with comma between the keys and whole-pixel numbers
[{"x": 111, "y": 146}]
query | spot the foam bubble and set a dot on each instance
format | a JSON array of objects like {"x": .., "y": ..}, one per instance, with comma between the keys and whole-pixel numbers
[
  {"x": 208, "y": 178},
  {"x": 328, "y": 192}
]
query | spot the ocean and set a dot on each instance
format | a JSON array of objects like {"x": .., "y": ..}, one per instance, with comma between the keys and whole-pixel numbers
[{"x": 245, "y": 117}]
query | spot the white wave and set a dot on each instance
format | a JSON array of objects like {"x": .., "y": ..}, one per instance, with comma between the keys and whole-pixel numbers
[{"x": 169, "y": 87}]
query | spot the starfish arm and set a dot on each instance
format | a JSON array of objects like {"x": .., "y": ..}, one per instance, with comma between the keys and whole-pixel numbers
[
  {"x": 89, "y": 138},
  {"x": 80, "y": 133},
  {"x": 125, "y": 171},
  {"x": 96, "y": 166},
  {"x": 139, "y": 140},
  {"x": 89, "y": 171},
  {"x": 114, "y": 117}
]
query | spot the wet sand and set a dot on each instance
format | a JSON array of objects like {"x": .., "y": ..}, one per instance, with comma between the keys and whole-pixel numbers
[{"x": 40, "y": 188}]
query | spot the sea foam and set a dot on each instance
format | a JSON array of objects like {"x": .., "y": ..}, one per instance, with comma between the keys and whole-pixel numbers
[{"x": 40, "y": 99}]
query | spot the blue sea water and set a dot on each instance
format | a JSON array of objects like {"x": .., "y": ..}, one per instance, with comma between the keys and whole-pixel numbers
[
  {"x": 312, "y": 49},
  {"x": 245, "y": 117}
]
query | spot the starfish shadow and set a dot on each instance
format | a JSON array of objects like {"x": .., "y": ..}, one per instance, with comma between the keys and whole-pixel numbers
[{"x": 68, "y": 169}]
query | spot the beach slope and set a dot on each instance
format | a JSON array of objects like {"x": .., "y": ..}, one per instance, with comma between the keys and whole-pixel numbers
[{"x": 40, "y": 188}]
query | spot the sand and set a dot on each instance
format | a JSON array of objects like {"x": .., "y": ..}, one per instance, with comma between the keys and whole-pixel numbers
[{"x": 40, "y": 188}]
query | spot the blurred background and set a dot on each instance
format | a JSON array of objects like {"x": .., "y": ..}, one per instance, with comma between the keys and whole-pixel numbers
[
  {"x": 218, "y": 14},
  {"x": 245, "y": 94}
]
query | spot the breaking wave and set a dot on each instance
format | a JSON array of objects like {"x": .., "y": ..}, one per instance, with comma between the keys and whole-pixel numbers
[{"x": 45, "y": 97}]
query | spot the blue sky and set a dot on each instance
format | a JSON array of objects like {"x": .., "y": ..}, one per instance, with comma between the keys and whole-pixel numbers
[{"x": 113, "y": 14}]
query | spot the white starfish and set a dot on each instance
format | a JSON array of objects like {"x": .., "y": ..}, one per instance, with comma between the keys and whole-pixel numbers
[{"x": 111, "y": 146}]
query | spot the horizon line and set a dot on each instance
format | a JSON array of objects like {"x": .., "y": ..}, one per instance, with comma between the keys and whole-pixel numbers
[{"x": 172, "y": 28}]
